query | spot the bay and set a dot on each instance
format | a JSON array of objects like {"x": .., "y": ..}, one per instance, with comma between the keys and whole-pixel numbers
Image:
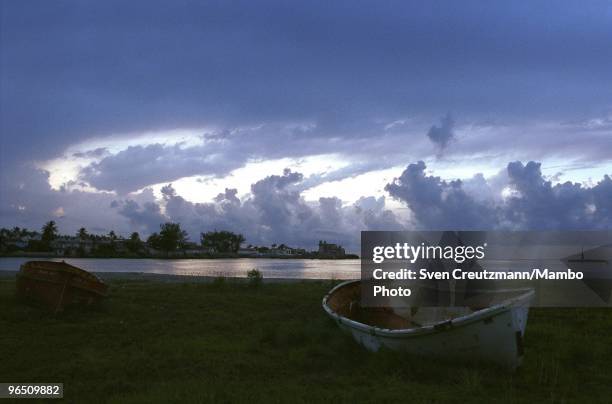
[{"x": 270, "y": 268}]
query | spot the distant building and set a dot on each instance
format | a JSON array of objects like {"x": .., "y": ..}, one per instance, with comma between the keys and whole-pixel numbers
[
  {"x": 286, "y": 250},
  {"x": 151, "y": 251},
  {"x": 195, "y": 249},
  {"x": 283, "y": 251},
  {"x": 18, "y": 241},
  {"x": 65, "y": 245},
  {"x": 330, "y": 250},
  {"x": 207, "y": 250},
  {"x": 248, "y": 252},
  {"x": 68, "y": 245},
  {"x": 279, "y": 252},
  {"x": 298, "y": 251}
]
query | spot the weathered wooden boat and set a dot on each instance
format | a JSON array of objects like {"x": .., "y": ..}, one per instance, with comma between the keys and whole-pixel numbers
[
  {"x": 472, "y": 332},
  {"x": 58, "y": 284}
]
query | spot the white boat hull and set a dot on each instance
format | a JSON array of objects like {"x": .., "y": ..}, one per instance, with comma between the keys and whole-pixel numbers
[{"x": 494, "y": 334}]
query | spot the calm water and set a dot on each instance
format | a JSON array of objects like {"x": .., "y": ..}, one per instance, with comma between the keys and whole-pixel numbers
[{"x": 271, "y": 268}]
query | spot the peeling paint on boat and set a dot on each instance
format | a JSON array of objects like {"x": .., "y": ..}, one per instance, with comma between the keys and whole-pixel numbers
[{"x": 493, "y": 334}]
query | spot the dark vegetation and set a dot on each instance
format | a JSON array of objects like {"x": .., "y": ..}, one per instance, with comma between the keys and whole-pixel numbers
[
  {"x": 222, "y": 241},
  {"x": 170, "y": 242},
  {"x": 226, "y": 341},
  {"x": 169, "y": 238}
]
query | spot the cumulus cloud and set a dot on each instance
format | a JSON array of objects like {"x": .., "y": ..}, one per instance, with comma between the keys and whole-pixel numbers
[
  {"x": 438, "y": 204},
  {"x": 144, "y": 217},
  {"x": 531, "y": 203},
  {"x": 538, "y": 204},
  {"x": 27, "y": 200},
  {"x": 274, "y": 212},
  {"x": 375, "y": 216}
]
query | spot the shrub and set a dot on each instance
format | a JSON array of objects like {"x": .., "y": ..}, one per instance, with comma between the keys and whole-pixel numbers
[{"x": 255, "y": 277}]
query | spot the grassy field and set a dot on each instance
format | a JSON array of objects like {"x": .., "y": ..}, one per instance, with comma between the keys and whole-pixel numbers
[{"x": 228, "y": 342}]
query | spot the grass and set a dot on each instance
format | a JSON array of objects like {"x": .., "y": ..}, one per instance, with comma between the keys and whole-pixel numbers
[{"x": 228, "y": 342}]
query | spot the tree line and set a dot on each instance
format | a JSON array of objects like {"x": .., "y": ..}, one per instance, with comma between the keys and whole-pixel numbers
[{"x": 170, "y": 237}]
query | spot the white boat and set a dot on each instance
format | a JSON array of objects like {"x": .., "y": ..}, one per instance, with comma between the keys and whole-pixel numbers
[{"x": 475, "y": 333}]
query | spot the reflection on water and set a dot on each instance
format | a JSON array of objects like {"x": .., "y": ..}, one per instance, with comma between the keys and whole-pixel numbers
[{"x": 271, "y": 268}]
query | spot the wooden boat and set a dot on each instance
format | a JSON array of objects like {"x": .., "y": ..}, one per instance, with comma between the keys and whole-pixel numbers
[
  {"x": 476, "y": 333},
  {"x": 58, "y": 284}
]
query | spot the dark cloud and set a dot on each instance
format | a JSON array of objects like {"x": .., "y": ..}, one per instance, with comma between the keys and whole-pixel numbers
[
  {"x": 538, "y": 204},
  {"x": 276, "y": 80},
  {"x": 27, "y": 200},
  {"x": 438, "y": 204},
  {"x": 139, "y": 166},
  {"x": 279, "y": 205},
  {"x": 443, "y": 134},
  {"x": 533, "y": 203},
  {"x": 274, "y": 212},
  {"x": 72, "y": 71},
  {"x": 144, "y": 218},
  {"x": 375, "y": 215}
]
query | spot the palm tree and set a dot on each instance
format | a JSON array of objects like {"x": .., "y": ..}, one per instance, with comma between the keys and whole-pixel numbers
[
  {"x": 49, "y": 231},
  {"x": 134, "y": 243},
  {"x": 82, "y": 234}
]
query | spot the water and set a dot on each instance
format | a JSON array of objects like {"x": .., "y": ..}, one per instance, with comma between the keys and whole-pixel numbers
[{"x": 270, "y": 268}]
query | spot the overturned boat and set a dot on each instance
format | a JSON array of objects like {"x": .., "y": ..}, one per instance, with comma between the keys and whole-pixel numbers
[
  {"x": 490, "y": 327},
  {"x": 58, "y": 284}
]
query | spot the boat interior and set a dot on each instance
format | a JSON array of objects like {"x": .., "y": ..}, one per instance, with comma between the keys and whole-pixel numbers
[{"x": 346, "y": 301}]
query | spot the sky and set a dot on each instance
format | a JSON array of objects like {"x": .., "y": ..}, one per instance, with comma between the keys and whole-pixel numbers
[{"x": 299, "y": 121}]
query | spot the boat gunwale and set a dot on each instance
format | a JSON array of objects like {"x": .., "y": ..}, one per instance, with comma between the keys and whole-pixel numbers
[{"x": 438, "y": 327}]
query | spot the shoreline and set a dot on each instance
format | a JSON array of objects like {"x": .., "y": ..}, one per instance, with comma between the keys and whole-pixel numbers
[
  {"x": 173, "y": 278},
  {"x": 184, "y": 257}
]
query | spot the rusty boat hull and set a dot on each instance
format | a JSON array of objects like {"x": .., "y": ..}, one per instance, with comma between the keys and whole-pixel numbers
[{"x": 57, "y": 285}]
